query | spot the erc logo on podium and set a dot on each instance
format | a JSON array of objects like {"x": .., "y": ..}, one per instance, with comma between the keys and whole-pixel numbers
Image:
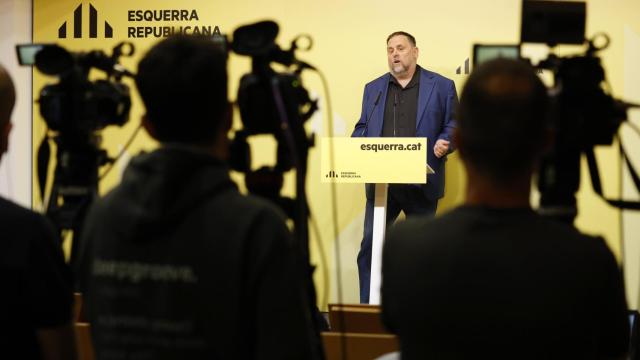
[{"x": 332, "y": 174}]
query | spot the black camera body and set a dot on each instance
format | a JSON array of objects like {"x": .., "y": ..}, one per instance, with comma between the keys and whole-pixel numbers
[
  {"x": 103, "y": 103},
  {"x": 584, "y": 114},
  {"x": 77, "y": 105}
]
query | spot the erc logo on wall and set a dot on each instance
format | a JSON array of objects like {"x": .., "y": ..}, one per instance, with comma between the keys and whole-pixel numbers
[
  {"x": 466, "y": 68},
  {"x": 156, "y": 23},
  {"x": 77, "y": 25}
]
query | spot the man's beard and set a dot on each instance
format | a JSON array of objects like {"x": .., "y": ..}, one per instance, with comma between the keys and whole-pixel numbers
[{"x": 398, "y": 68}]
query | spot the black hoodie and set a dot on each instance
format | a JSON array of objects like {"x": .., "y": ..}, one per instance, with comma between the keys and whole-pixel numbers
[{"x": 177, "y": 264}]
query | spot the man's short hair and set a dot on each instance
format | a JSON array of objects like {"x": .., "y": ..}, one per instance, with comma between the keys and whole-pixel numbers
[
  {"x": 7, "y": 96},
  {"x": 183, "y": 83},
  {"x": 503, "y": 119},
  {"x": 412, "y": 40}
]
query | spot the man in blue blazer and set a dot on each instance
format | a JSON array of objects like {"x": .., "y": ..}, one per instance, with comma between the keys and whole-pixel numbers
[{"x": 409, "y": 101}]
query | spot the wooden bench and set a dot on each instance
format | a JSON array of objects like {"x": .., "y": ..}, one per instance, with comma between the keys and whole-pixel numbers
[
  {"x": 357, "y": 346},
  {"x": 356, "y": 318}
]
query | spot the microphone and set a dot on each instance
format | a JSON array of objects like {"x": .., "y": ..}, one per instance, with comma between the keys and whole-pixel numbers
[
  {"x": 395, "y": 103},
  {"x": 375, "y": 103}
]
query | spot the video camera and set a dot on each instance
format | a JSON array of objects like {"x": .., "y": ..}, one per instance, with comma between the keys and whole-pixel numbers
[
  {"x": 272, "y": 103},
  {"x": 75, "y": 109},
  {"x": 76, "y": 104},
  {"x": 583, "y": 113}
]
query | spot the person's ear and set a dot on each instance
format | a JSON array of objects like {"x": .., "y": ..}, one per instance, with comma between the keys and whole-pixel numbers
[
  {"x": 416, "y": 52},
  {"x": 148, "y": 126},
  {"x": 4, "y": 137}
]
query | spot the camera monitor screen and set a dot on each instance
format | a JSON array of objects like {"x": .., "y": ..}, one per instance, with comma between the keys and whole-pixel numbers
[
  {"x": 27, "y": 53},
  {"x": 553, "y": 22},
  {"x": 482, "y": 53}
]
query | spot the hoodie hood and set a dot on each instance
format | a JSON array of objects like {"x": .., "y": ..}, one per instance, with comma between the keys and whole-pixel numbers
[{"x": 159, "y": 188}]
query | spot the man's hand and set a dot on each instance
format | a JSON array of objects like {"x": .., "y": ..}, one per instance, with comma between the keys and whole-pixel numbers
[{"x": 440, "y": 148}]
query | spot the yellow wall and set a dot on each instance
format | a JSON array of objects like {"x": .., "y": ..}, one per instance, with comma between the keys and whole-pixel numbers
[{"x": 349, "y": 47}]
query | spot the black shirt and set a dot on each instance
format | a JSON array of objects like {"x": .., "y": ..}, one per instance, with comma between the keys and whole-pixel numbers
[
  {"x": 501, "y": 284},
  {"x": 36, "y": 283},
  {"x": 176, "y": 264},
  {"x": 401, "y": 108}
]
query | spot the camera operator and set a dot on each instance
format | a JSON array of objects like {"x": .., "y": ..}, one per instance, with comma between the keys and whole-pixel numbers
[
  {"x": 497, "y": 279},
  {"x": 175, "y": 262},
  {"x": 36, "y": 301}
]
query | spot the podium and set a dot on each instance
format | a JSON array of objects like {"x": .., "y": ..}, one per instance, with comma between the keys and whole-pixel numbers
[{"x": 380, "y": 161}]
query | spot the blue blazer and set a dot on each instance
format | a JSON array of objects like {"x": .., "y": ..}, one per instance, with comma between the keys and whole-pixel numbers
[{"x": 437, "y": 103}]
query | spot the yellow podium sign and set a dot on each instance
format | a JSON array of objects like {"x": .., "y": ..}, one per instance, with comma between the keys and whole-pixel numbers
[{"x": 374, "y": 160}]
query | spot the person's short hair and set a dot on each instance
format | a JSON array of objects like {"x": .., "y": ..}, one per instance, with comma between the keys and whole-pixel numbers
[
  {"x": 412, "y": 40},
  {"x": 183, "y": 83},
  {"x": 502, "y": 119},
  {"x": 7, "y": 96}
]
